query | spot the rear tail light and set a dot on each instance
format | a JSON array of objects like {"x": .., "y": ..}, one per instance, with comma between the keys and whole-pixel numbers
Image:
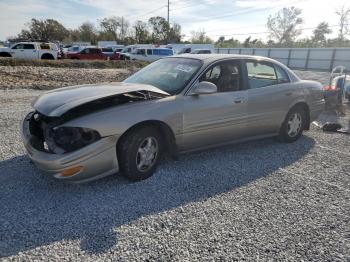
[{"x": 330, "y": 88}]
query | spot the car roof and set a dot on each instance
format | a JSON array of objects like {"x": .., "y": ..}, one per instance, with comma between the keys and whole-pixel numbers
[
  {"x": 209, "y": 58},
  {"x": 91, "y": 47}
]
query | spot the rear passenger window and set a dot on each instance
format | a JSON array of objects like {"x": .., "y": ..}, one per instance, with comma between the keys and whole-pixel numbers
[
  {"x": 141, "y": 52},
  {"x": 282, "y": 76},
  {"x": 107, "y": 50},
  {"x": 165, "y": 52},
  {"x": 28, "y": 46},
  {"x": 45, "y": 46},
  {"x": 261, "y": 74},
  {"x": 149, "y": 51}
]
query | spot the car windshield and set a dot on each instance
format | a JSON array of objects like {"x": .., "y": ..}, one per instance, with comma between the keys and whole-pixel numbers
[
  {"x": 126, "y": 50},
  {"x": 170, "y": 75}
]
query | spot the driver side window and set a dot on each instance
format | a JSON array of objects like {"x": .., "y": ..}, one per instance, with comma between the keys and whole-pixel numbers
[
  {"x": 225, "y": 75},
  {"x": 19, "y": 46}
]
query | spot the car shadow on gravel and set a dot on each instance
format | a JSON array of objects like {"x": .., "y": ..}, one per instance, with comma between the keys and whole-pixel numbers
[{"x": 37, "y": 211}]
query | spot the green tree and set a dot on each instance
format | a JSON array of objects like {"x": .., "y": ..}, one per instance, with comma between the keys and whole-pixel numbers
[
  {"x": 48, "y": 29},
  {"x": 200, "y": 37},
  {"x": 220, "y": 41},
  {"x": 116, "y": 27},
  {"x": 88, "y": 33},
  {"x": 160, "y": 29},
  {"x": 284, "y": 26},
  {"x": 227, "y": 43},
  {"x": 319, "y": 34},
  {"x": 141, "y": 32},
  {"x": 344, "y": 18},
  {"x": 175, "y": 33}
]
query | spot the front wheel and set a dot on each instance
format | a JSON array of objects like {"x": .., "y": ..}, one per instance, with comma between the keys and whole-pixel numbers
[
  {"x": 139, "y": 152},
  {"x": 293, "y": 126}
]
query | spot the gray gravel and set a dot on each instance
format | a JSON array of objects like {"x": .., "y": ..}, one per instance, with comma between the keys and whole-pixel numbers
[
  {"x": 46, "y": 78},
  {"x": 260, "y": 200}
]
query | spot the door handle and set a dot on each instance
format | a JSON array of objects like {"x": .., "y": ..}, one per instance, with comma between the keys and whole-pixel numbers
[
  {"x": 239, "y": 100},
  {"x": 289, "y": 93}
]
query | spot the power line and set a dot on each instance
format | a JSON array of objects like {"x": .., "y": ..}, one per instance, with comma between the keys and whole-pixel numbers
[
  {"x": 247, "y": 10},
  {"x": 266, "y": 32},
  {"x": 183, "y": 7},
  {"x": 149, "y": 12},
  {"x": 234, "y": 28}
]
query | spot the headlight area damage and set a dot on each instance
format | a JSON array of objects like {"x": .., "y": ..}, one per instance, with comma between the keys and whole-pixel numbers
[{"x": 49, "y": 136}]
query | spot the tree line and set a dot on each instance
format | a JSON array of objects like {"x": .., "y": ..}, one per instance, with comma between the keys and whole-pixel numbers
[
  {"x": 284, "y": 29},
  {"x": 156, "y": 30}
]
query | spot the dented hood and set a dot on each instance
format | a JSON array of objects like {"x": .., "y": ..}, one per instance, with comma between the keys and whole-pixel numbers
[{"x": 58, "y": 101}]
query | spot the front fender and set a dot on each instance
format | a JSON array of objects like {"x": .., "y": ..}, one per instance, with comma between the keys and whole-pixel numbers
[{"x": 117, "y": 120}]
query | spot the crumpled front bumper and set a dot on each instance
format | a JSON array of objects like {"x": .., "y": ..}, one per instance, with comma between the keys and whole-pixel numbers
[{"x": 96, "y": 160}]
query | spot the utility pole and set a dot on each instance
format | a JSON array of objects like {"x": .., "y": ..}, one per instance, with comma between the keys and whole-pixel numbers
[
  {"x": 168, "y": 22},
  {"x": 122, "y": 33},
  {"x": 168, "y": 10}
]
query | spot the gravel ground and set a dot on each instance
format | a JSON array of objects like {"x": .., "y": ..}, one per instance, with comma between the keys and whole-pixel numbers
[
  {"x": 50, "y": 78},
  {"x": 260, "y": 200}
]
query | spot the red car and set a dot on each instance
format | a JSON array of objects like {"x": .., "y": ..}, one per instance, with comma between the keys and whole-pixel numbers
[
  {"x": 116, "y": 54},
  {"x": 89, "y": 53}
]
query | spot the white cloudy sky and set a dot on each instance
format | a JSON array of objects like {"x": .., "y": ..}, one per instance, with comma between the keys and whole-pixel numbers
[{"x": 231, "y": 18}]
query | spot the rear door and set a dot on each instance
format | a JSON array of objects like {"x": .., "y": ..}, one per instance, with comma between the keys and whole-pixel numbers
[
  {"x": 270, "y": 95},
  {"x": 220, "y": 117},
  {"x": 97, "y": 54},
  {"x": 86, "y": 54}
]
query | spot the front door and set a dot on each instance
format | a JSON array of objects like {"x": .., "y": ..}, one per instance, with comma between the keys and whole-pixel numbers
[{"x": 220, "y": 117}]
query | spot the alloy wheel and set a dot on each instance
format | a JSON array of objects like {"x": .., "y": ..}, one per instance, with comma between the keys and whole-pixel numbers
[
  {"x": 294, "y": 124},
  {"x": 147, "y": 154}
]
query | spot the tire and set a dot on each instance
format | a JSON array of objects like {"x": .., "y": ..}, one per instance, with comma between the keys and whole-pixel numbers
[
  {"x": 293, "y": 126},
  {"x": 4, "y": 54},
  {"x": 47, "y": 57},
  {"x": 136, "y": 162}
]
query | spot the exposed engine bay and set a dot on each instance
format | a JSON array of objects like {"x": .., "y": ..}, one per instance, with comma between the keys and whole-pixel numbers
[{"x": 47, "y": 135}]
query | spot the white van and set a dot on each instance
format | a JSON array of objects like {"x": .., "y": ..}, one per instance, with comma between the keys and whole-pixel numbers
[
  {"x": 150, "y": 54},
  {"x": 188, "y": 48},
  {"x": 127, "y": 50}
]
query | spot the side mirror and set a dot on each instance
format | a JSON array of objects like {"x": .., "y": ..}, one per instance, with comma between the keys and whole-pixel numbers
[{"x": 203, "y": 88}]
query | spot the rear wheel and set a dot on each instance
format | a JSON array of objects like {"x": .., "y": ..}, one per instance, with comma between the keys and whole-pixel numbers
[
  {"x": 293, "y": 126},
  {"x": 47, "y": 57},
  {"x": 139, "y": 152}
]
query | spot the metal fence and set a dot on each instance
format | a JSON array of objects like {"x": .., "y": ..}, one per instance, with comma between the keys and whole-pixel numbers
[{"x": 317, "y": 59}]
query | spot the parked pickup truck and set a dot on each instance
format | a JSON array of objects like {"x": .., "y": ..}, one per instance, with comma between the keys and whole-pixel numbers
[{"x": 31, "y": 50}]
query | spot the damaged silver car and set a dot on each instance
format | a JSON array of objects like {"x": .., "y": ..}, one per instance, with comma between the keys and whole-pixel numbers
[{"x": 177, "y": 104}]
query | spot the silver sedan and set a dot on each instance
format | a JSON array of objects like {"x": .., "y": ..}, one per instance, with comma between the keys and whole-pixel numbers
[{"x": 175, "y": 105}]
